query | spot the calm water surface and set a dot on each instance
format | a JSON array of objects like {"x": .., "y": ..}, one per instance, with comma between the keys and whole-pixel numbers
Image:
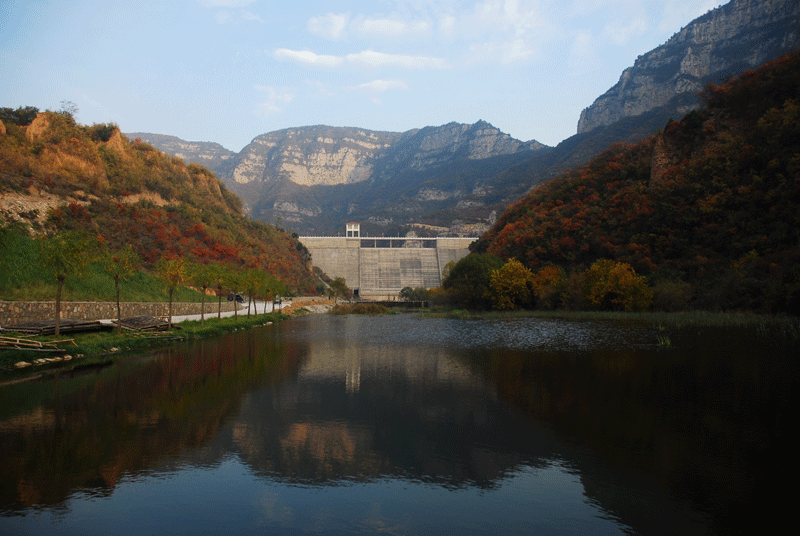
[{"x": 404, "y": 425}]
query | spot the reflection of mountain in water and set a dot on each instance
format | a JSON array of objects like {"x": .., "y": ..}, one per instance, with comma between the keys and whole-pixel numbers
[
  {"x": 366, "y": 411},
  {"x": 402, "y": 422}
]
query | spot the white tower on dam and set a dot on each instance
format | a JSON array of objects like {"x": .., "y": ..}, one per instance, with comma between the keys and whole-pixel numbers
[{"x": 378, "y": 268}]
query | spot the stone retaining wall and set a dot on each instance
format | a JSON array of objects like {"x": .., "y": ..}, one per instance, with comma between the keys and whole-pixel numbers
[{"x": 16, "y": 312}]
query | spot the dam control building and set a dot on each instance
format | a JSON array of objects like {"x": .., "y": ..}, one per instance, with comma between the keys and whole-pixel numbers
[{"x": 378, "y": 268}]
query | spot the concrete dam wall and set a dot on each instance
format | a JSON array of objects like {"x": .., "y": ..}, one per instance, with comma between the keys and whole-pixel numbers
[{"x": 379, "y": 268}]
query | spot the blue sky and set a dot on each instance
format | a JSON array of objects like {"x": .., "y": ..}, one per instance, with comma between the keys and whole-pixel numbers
[{"x": 230, "y": 70}]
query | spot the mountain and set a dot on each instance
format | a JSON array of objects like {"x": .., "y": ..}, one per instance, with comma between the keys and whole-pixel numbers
[
  {"x": 455, "y": 178},
  {"x": 724, "y": 42},
  {"x": 316, "y": 178},
  {"x": 57, "y": 175},
  {"x": 706, "y": 209}
]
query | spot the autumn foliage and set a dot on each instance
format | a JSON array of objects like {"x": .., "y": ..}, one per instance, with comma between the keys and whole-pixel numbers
[
  {"x": 128, "y": 193},
  {"x": 704, "y": 214}
]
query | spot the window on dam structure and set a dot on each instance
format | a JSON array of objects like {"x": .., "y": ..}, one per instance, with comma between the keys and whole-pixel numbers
[{"x": 353, "y": 230}]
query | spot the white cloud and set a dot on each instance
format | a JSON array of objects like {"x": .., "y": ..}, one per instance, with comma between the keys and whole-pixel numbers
[
  {"x": 305, "y": 56},
  {"x": 330, "y": 26},
  {"x": 251, "y": 17},
  {"x": 370, "y": 58},
  {"x": 391, "y": 27},
  {"x": 226, "y": 3},
  {"x": 516, "y": 16},
  {"x": 275, "y": 101},
  {"x": 366, "y": 58},
  {"x": 380, "y": 86},
  {"x": 447, "y": 26}
]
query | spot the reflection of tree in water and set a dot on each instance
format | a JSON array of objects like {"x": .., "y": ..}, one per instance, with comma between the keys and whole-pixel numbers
[
  {"x": 89, "y": 430},
  {"x": 701, "y": 418}
]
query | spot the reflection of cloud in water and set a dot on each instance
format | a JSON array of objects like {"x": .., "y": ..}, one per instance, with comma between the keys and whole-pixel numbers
[{"x": 272, "y": 511}]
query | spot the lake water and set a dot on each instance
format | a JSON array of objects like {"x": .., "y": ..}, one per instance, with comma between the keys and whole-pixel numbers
[{"x": 405, "y": 425}]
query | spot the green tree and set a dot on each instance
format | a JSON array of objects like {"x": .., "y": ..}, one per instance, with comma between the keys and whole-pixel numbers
[
  {"x": 203, "y": 276},
  {"x": 122, "y": 264},
  {"x": 219, "y": 278},
  {"x": 235, "y": 281},
  {"x": 64, "y": 254},
  {"x": 172, "y": 272},
  {"x": 511, "y": 285},
  {"x": 338, "y": 287},
  {"x": 470, "y": 278},
  {"x": 254, "y": 280},
  {"x": 414, "y": 294}
]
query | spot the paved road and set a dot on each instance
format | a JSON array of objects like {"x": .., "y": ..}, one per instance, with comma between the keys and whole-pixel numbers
[{"x": 259, "y": 307}]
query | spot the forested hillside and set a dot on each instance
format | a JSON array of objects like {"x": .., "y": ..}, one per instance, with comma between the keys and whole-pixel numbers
[
  {"x": 709, "y": 208},
  {"x": 57, "y": 175}
]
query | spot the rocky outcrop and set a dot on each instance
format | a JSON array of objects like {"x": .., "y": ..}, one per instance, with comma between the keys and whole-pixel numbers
[
  {"x": 724, "y": 42},
  {"x": 206, "y": 153}
]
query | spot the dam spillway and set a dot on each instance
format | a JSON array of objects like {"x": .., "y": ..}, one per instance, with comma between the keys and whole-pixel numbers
[{"x": 378, "y": 268}]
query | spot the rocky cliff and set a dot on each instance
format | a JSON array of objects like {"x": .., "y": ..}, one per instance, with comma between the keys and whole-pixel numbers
[
  {"x": 309, "y": 156},
  {"x": 322, "y": 155},
  {"x": 724, "y": 42}
]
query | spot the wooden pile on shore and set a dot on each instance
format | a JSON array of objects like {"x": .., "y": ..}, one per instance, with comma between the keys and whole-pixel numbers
[
  {"x": 66, "y": 325},
  {"x": 18, "y": 343}
]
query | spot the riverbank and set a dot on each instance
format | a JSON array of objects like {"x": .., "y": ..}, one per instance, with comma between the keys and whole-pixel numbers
[{"x": 83, "y": 350}]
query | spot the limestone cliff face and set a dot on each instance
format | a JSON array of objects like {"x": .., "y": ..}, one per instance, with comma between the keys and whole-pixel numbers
[
  {"x": 310, "y": 156},
  {"x": 320, "y": 155},
  {"x": 726, "y": 41}
]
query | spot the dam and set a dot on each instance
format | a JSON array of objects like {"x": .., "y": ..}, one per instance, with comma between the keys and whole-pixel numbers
[{"x": 378, "y": 268}]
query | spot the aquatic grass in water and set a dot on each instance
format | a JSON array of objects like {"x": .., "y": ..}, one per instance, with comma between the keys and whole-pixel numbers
[{"x": 361, "y": 309}]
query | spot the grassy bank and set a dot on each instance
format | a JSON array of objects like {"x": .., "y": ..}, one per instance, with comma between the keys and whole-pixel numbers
[{"x": 94, "y": 349}]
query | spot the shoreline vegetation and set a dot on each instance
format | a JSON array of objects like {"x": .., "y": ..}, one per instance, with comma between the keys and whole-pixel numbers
[{"x": 97, "y": 349}]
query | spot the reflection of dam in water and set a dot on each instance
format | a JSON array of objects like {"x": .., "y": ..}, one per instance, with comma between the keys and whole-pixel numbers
[{"x": 380, "y": 267}]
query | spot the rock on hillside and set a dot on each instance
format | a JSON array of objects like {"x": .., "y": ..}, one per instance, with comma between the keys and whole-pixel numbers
[{"x": 724, "y": 42}]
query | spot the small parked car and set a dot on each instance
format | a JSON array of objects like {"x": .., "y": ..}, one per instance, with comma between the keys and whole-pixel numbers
[{"x": 236, "y": 297}]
